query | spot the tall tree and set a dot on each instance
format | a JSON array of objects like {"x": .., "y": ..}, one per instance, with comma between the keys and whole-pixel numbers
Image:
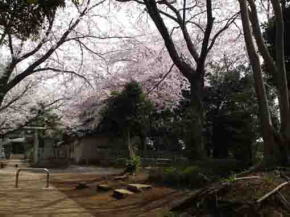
[
  {"x": 231, "y": 112},
  {"x": 187, "y": 14},
  {"x": 129, "y": 113},
  {"x": 270, "y": 37},
  {"x": 276, "y": 141}
]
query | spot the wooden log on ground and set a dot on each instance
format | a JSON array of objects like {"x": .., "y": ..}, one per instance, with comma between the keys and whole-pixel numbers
[
  {"x": 248, "y": 177},
  {"x": 275, "y": 190}
]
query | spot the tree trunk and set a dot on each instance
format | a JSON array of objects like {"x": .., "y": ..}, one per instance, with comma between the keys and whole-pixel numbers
[
  {"x": 4, "y": 79},
  {"x": 130, "y": 148},
  {"x": 277, "y": 68},
  {"x": 268, "y": 133},
  {"x": 195, "y": 139},
  {"x": 220, "y": 144},
  {"x": 282, "y": 77}
]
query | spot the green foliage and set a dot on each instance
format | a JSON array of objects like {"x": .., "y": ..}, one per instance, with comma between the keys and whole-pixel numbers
[
  {"x": 24, "y": 18},
  {"x": 231, "y": 113},
  {"x": 165, "y": 130},
  {"x": 48, "y": 119},
  {"x": 230, "y": 179},
  {"x": 128, "y": 110},
  {"x": 197, "y": 175},
  {"x": 231, "y": 125},
  {"x": 182, "y": 177},
  {"x": 133, "y": 165}
]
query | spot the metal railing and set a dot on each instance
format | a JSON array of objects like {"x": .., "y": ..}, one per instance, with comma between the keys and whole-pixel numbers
[{"x": 33, "y": 169}]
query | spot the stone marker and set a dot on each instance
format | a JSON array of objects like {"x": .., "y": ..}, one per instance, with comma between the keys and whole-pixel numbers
[
  {"x": 104, "y": 187},
  {"x": 121, "y": 193},
  {"x": 81, "y": 185},
  {"x": 138, "y": 187}
]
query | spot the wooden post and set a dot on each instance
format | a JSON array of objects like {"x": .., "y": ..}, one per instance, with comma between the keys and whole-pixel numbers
[
  {"x": 2, "y": 154},
  {"x": 36, "y": 145}
]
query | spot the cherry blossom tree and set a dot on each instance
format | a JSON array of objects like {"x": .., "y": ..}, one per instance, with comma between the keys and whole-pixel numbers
[
  {"x": 30, "y": 57},
  {"x": 197, "y": 25}
]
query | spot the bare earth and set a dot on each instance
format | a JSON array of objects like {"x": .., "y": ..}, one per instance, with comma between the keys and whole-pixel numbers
[{"x": 61, "y": 199}]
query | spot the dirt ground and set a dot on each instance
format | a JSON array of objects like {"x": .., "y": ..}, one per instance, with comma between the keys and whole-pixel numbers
[{"x": 61, "y": 199}]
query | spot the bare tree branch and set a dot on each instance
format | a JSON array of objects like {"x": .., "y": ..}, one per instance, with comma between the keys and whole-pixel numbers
[
  {"x": 65, "y": 72},
  {"x": 19, "y": 96},
  {"x": 40, "y": 44},
  {"x": 161, "y": 80},
  {"x": 226, "y": 26},
  {"x": 30, "y": 69}
]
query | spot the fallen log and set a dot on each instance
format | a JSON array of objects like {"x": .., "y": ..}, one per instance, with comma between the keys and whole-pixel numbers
[
  {"x": 275, "y": 190},
  {"x": 248, "y": 177}
]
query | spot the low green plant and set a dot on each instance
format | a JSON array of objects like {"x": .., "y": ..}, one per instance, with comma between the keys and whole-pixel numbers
[
  {"x": 188, "y": 176},
  {"x": 230, "y": 179},
  {"x": 133, "y": 164},
  {"x": 270, "y": 179}
]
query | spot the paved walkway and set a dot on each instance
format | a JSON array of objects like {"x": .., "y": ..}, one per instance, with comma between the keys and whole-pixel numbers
[{"x": 32, "y": 199}]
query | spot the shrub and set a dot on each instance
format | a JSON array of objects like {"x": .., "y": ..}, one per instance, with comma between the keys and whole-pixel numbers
[
  {"x": 197, "y": 175},
  {"x": 191, "y": 176},
  {"x": 133, "y": 165}
]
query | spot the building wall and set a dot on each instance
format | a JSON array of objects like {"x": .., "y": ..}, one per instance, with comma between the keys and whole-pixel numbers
[
  {"x": 86, "y": 149},
  {"x": 93, "y": 149}
]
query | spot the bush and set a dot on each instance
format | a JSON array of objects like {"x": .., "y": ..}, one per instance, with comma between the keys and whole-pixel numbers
[
  {"x": 219, "y": 168},
  {"x": 197, "y": 175},
  {"x": 191, "y": 176},
  {"x": 133, "y": 165}
]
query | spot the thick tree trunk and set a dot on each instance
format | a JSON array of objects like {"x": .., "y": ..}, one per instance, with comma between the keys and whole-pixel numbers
[
  {"x": 282, "y": 77},
  {"x": 195, "y": 140},
  {"x": 130, "y": 148},
  {"x": 4, "y": 79},
  {"x": 277, "y": 68},
  {"x": 268, "y": 133},
  {"x": 194, "y": 76}
]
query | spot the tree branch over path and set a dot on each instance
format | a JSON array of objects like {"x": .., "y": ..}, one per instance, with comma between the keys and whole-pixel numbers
[{"x": 7, "y": 82}]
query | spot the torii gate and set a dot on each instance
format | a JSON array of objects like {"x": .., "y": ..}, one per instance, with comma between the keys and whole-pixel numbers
[
  {"x": 22, "y": 139},
  {"x": 35, "y": 141}
]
